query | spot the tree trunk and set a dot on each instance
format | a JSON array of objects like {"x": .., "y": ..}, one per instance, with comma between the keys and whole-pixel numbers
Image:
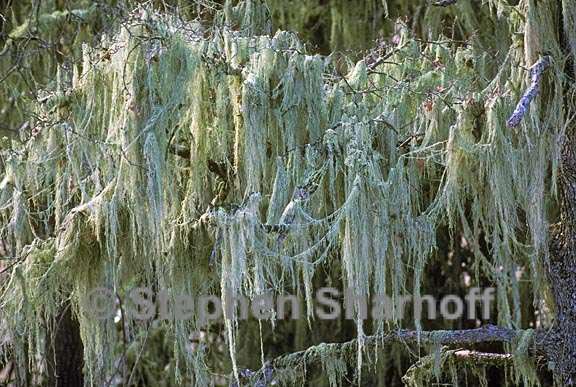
[
  {"x": 559, "y": 342},
  {"x": 65, "y": 352}
]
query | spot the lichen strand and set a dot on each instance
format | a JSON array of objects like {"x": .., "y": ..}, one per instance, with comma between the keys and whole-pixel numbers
[{"x": 314, "y": 163}]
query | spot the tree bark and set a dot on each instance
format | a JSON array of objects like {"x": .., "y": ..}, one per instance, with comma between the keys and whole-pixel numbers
[{"x": 559, "y": 343}]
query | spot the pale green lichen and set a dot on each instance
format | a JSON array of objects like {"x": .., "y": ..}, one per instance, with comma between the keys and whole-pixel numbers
[{"x": 338, "y": 172}]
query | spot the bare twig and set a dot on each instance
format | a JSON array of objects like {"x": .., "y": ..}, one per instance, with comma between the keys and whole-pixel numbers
[
  {"x": 180, "y": 150},
  {"x": 483, "y": 357},
  {"x": 444, "y": 3}
]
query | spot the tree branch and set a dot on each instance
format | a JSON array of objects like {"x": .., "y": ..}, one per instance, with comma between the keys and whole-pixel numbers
[
  {"x": 444, "y": 3},
  {"x": 180, "y": 150},
  {"x": 535, "y": 76},
  {"x": 315, "y": 354},
  {"x": 496, "y": 359}
]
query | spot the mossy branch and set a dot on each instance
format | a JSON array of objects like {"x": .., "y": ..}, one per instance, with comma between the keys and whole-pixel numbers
[{"x": 467, "y": 337}]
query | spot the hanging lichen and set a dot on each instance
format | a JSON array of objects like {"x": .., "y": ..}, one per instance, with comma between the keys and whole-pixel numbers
[{"x": 231, "y": 160}]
